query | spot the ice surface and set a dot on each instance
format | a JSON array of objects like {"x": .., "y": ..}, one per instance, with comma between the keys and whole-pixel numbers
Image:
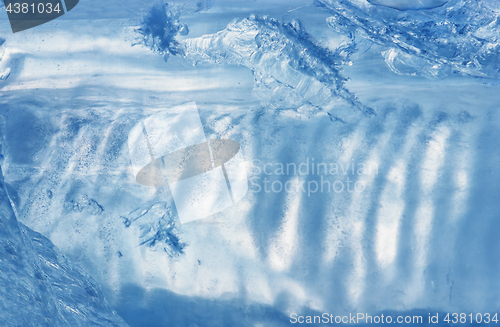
[
  {"x": 39, "y": 286},
  {"x": 157, "y": 226},
  {"x": 423, "y": 235},
  {"x": 459, "y": 37},
  {"x": 285, "y": 60}
]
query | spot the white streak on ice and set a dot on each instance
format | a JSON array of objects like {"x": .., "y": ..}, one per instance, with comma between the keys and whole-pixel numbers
[
  {"x": 285, "y": 242},
  {"x": 390, "y": 214},
  {"x": 392, "y": 207},
  {"x": 424, "y": 216},
  {"x": 358, "y": 211}
]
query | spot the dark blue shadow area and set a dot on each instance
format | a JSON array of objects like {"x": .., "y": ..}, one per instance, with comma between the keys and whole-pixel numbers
[
  {"x": 159, "y": 307},
  {"x": 25, "y": 133}
]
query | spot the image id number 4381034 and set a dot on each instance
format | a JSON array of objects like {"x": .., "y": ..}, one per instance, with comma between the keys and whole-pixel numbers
[
  {"x": 27, "y": 8},
  {"x": 26, "y": 14},
  {"x": 463, "y": 318}
]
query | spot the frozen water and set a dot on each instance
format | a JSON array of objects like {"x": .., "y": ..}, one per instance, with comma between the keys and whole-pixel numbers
[
  {"x": 409, "y": 95},
  {"x": 459, "y": 37},
  {"x": 284, "y": 59},
  {"x": 157, "y": 227},
  {"x": 39, "y": 286}
]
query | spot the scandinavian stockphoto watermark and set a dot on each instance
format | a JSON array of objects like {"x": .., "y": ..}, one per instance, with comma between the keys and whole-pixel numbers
[{"x": 310, "y": 177}]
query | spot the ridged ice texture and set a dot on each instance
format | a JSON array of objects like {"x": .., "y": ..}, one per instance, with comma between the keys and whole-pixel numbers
[
  {"x": 460, "y": 37},
  {"x": 291, "y": 70},
  {"x": 38, "y": 286},
  {"x": 277, "y": 53}
]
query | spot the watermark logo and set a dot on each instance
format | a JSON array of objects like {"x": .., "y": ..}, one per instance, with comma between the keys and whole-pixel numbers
[
  {"x": 26, "y": 14},
  {"x": 205, "y": 176},
  {"x": 310, "y": 177}
]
